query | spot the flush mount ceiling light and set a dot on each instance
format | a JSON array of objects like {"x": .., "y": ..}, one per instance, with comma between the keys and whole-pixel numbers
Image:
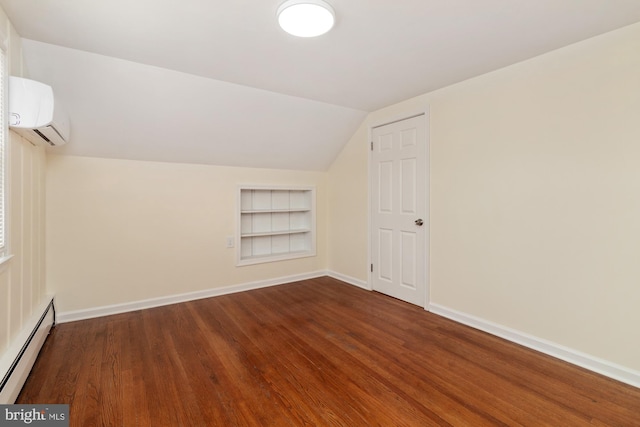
[{"x": 306, "y": 18}]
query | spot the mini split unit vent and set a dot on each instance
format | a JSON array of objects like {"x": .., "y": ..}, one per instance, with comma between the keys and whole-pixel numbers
[{"x": 34, "y": 114}]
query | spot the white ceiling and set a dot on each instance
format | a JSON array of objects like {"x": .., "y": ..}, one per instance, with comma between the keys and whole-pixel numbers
[
  {"x": 123, "y": 109},
  {"x": 217, "y": 82}
]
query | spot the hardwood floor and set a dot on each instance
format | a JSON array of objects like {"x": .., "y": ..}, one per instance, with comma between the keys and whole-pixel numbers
[{"x": 311, "y": 353}]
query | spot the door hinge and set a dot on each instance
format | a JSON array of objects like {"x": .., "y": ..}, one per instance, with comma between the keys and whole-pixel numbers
[
  {"x": 371, "y": 145},
  {"x": 372, "y": 268}
]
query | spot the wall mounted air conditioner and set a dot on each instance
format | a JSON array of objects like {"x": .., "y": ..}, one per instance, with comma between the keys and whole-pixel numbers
[{"x": 34, "y": 114}]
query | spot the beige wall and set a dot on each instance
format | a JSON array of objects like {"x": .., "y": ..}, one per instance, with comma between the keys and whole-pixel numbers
[
  {"x": 348, "y": 192},
  {"x": 22, "y": 280},
  {"x": 535, "y": 196},
  {"x": 121, "y": 231}
]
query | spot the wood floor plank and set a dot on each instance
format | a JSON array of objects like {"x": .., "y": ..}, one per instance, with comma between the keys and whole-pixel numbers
[{"x": 312, "y": 353}]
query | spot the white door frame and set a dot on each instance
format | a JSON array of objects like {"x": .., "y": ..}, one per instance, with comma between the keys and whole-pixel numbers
[{"x": 427, "y": 220}]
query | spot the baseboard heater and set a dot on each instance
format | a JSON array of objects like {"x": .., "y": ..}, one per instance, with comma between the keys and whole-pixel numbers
[{"x": 19, "y": 358}]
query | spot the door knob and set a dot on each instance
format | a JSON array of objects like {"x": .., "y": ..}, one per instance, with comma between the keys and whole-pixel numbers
[{"x": 419, "y": 222}]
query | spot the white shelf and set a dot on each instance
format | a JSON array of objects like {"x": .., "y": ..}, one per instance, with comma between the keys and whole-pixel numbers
[
  {"x": 274, "y": 211},
  {"x": 276, "y": 233},
  {"x": 270, "y": 258},
  {"x": 275, "y": 223}
]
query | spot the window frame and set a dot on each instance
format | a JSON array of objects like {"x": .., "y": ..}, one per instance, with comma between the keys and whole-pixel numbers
[{"x": 4, "y": 149}]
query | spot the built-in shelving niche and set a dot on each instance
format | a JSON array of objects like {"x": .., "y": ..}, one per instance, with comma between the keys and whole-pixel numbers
[{"x": 275, "y": 224}]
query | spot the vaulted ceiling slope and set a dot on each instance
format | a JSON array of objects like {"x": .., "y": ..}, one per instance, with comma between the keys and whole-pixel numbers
[
  {"x": 207, "y": 81},
  {"x": 127, "y": 110}
]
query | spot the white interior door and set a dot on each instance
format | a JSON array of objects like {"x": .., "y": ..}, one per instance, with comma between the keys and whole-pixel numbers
[{"x": 399, "y": 214}]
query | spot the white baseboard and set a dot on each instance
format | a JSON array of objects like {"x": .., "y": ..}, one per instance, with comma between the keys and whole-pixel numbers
[
  {"x": 570, "y": 355},
  {"x": 350, "y": 280},
  {"x": 107, "y": 310},
  {"x": 18, "y": 359}
]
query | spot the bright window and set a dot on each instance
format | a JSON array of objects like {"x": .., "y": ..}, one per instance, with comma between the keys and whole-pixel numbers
[{"x": 3, "y": 151}]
